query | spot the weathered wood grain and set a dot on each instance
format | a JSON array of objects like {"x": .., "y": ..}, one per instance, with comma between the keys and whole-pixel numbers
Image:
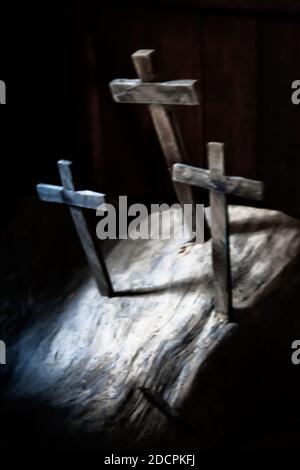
[
  {"x": 167, "y": 129},
  {"x": 219, "y": 230},
  {"x": 238, "y": 114},
  {"x": 142, "y": 61},
  {"x": 85, "y": 199},
  {"x": 218, "y": 184},
  {"x": 235, "y": 185},
  {"x": 176, "y": 92},
  {"x": 67, "y": 195},
  {"x": 169, "y": 136}
]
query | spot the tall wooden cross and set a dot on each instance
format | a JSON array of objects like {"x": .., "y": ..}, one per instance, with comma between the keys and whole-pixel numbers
[
  {"x": 76, "y": 200},
  {"x": 219, "y": 185},
  {"x": 160, "y": 98}
]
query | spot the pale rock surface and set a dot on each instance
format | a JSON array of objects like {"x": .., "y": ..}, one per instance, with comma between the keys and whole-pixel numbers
[{"x": 92, "y": 355}]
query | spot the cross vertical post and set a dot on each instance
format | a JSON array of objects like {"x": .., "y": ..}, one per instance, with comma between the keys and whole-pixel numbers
[
  {"x": 219, "y": 230},
  {"x": 160, "y": 97},
  {"x": 166, "y": 126}
]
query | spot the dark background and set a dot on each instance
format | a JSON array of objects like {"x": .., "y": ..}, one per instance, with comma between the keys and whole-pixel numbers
[
  {"x": 39, "y": 122},
  {"x": 58, "y": 57}
]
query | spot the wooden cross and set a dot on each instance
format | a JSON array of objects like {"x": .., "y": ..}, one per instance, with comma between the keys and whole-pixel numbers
[
  {"x": 76, "y": 200},
  {"x": 160, "y": 97},
  {"x": 219, "y": 185}
]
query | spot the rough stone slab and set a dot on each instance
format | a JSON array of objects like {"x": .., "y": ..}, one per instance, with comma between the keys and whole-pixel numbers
[{"x": 92, "y": 355}]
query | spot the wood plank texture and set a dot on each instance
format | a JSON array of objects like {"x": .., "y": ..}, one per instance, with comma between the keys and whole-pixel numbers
[
  {"x": 230, "y": 90},
  {"x": 220, "y": 233},
  {"x": 235, "y": 185},
  {"x": 238, "y": 91},
  {"x": 167, "y": 130},
  {"x": 219, "y": 185},
  {"x": 67, "y": 195},
  {"x": 85, "y": 199},
  {"x": 94, "y": 257},
  {"x": 278, "y": 159},
  {"x": 176, "y": 92}
]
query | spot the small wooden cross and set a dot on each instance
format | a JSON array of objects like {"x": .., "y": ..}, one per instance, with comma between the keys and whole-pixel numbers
[
  {"x": 160, "y": 98},
  {"x": 219, "y": 185},
  {"x": 76, "y": 200}
]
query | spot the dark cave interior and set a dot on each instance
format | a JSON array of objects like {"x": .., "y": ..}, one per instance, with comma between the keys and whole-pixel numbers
[{"x": 41, "y": 258}]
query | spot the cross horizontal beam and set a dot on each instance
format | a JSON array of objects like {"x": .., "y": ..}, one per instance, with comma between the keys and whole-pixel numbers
[
  {"x": 176, "y": 92},
  {"x": 85, "y": 199},
  {"x": 242, "y": 187}
]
